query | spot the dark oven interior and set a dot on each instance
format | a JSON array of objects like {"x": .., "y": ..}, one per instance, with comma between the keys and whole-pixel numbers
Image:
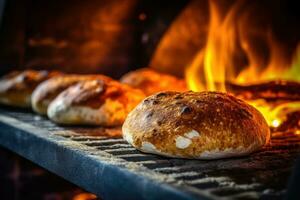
[{"x": 102, "y": 36}]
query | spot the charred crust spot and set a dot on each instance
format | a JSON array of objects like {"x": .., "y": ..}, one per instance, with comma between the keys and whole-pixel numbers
[
  {"x": 245, "y": 113},
  {"x": 80, "y": 86},
  {"x": 178, "y": 96},
  {"x": 155, "y": 102},
  {"x": 25, "y": 78},
  {"x": 146, "y": 101},
  {"x": 149, "y": 114},
  {"x": 178, "y": 103},
  {"x": 199, "y": 101},
  {"x": 159, "y": 123},
  {"x": 154, "y": 131},
  {"x": 186, "y": 110},
  {"x": 161, "y": 94},
  {"x": 155, "y": 134},
  {"x": 177, "y": 123}
]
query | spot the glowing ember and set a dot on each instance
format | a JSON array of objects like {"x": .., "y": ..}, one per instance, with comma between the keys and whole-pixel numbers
[
  {"x": 229, "y": 34},
  {"x": 275, "y": 123}
]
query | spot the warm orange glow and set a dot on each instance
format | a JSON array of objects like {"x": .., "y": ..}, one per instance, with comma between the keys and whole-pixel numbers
[
  {"x": 85, "y": 196},
  {"x": 142, "y": 16},
  {"x": 275, "y": 123},
  {"x": 229, "y": 35}
]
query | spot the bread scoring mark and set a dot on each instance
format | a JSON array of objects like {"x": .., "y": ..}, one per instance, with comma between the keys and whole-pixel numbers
[
  {"x": 182, "y": 142},
  {"x": 192, "y": 134}
]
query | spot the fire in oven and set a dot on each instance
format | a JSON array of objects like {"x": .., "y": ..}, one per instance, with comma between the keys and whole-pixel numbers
[{"x": 193, "y": 99}]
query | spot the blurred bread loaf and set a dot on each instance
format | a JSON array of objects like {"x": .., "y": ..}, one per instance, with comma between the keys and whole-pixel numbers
[
  {"x": 16, "y": 87},
  {"x": 151, "y": 81},
  {"x": 94, "y": 102},
  {"x": 47, "y": 91}
]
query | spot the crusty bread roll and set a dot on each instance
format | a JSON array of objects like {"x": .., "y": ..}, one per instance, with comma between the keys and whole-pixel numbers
[
  {"x": 205, "y": 125},
  {"x": 94, "y": 102},
  {"x": 152, "y": 82},
  {"x": 16, "y": 87},
  {"x": 46, "y": 92}
]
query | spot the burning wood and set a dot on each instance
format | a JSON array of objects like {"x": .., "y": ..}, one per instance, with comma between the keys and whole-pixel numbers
[
  {"x": 275, "y": 99},
  {"x": 292, "y": 123},
  {"x": 271, "y": 91}
]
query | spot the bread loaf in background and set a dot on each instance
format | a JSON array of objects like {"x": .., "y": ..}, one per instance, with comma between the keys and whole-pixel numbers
[
  {"x": 94, "y": 102},
  {"x": 16, "y": 87},
  {"x": 47, "y": 91},
  {"x": 151, "y": 81}
]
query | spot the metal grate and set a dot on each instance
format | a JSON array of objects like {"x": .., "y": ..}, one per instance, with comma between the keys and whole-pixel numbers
[{"x": 262, "y": 175}]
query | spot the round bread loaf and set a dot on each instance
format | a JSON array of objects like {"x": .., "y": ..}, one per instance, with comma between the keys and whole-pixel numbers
[
  {"x": 16, "y": 87},
  {"x": 205, "y": 125},
  {"x": 94, "y": 102},
  {"x": 46, "y": 92},
  {"x": 152, "y": 82}
]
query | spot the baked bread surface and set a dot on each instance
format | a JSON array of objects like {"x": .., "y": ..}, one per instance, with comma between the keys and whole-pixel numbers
[
  {"x": 47, "y": 91},
  {"x": 94, "y": 102},
  {"x": 151, "y": 81},
  {"x": 205, "y": 125},
  {"x": 16, "y": 87}
]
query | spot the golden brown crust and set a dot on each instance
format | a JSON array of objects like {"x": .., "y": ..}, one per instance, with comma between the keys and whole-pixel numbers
[
  {"x": 48, "y": 90},
  {"x": 152, "y": 82},
  {"x": 95, "y": 102},
  {"x": 16, "y": 87},
  {"x": 196, "y": 125},
  {"x": 86, "y": 93}
]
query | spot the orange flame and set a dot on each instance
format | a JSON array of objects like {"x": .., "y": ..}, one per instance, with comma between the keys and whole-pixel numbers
[{"x": 229, "y": 35}]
